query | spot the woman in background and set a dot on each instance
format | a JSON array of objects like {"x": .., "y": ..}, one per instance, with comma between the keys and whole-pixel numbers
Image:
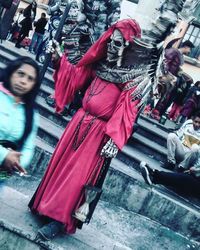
[{"x": 18, "y": 120}]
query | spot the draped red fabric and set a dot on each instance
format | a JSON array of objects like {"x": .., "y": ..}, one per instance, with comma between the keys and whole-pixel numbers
[
  {"x": 107, "y": 112},
  {"x": 65, "y": 74},
  {"x": 129, "y": 29}
]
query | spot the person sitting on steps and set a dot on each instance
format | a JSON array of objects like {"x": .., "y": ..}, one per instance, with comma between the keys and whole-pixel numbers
[
  {"x": 187, "y": 180},
  {"x": 183, "y": 141}
]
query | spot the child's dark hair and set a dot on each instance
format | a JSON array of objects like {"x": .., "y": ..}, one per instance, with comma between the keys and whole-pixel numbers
[
  {"x": 187, "y": 43},
  {"x": 29, "y": 98},
  {"x": 197, "y": 114},
  {"x": 197, "y": 83}
]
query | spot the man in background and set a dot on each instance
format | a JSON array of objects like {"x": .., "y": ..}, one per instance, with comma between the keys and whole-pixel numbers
[{"x": 38, "y": 34}]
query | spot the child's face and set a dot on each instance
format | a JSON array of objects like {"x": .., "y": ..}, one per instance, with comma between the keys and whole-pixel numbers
[{"x": 196, "y": 123}]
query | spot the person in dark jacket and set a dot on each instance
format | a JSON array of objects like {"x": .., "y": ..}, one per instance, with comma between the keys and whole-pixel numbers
[
  {"x": 179, "y": 93},
  {"x": 26, "y": 26},
  {"x": 38, "y": 34},
  {"x": 173, "y": 60},
  {"x": 186, "y": 181},
  {"x": 192, "y": 90},
  {"x": 30, "y": 10}
]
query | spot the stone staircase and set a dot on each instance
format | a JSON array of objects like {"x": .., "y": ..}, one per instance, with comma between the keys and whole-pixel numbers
[{"x": 126, "y": 197}]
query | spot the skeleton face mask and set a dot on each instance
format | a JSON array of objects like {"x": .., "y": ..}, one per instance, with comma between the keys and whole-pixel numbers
[
  {"x": 116, "y": 47},
  {"x": 74, "y": 11}
]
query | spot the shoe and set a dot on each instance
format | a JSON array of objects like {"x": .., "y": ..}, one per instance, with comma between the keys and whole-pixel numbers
[
  {"x": 65, "y": 112},
  {"x": 155, "y": 115},
  {"x": 17, "y": 45},
  {"x": 50, "y": 101},
  {"x": 32, "y": 52},
  {"x": 147, "y": 173},
  {"x": 50, "y": 230},
  {"x": 169, "y": 165},
  {"x": 180, "y": 169}
]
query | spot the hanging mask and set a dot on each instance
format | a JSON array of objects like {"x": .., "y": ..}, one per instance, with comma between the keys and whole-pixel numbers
[{"x": 74, "y": 11}]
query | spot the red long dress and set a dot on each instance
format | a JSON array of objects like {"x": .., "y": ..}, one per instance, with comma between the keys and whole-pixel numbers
[{"x": 109, "y": 111}]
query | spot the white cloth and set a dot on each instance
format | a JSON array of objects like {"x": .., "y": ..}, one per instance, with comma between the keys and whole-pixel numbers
[
  {"x": 187, "y": 129},
  {"x": 177, "y": 146}
]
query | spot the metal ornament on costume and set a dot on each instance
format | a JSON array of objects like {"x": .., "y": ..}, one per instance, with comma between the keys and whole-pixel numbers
[{"x": 136, "y": 62}]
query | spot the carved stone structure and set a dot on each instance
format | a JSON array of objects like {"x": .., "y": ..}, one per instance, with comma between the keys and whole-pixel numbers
[
  {"x": 169, "y": 12},
  {"x": 86, "y": 22},
  {"x": 101, "y": 14}
]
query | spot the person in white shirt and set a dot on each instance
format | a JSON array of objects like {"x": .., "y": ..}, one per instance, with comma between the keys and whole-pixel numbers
[{"x": 183, "y": 141}]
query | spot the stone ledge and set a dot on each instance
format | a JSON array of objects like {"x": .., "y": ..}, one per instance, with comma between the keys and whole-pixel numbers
[
  {"x": 111, "y": 228},
  {"x": 169, "y": 210},
  {"x": 126, "y": 188}
]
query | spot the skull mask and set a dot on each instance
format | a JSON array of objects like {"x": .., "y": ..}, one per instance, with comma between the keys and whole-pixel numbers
[
  {"x": 116, "y": 47},
  {"x": 74, "y": 11}
]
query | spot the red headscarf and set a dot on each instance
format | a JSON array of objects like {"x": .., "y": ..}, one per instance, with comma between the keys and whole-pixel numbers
[{"x": 129, "y": 29}]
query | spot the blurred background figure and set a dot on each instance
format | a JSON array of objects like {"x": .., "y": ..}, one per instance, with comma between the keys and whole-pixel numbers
[
  {"x": 26, "y": 26},
  {"x": 38, "y": 34},
  {"x": 172, "y": 62},
  {"x": 18, "y": 119},
  {"x": 31, "y": 10}
]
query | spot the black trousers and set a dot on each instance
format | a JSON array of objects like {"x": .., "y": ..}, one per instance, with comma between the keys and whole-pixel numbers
[{"x": 183, "y": 182}]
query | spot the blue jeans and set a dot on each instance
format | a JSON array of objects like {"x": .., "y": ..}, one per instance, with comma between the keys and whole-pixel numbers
[{"x": 36, "y": 41}]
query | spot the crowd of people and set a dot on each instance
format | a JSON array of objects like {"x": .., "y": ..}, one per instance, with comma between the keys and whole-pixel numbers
[
  {"x": 25, "y": 22},
  {"x": 179, "y": 96},
  {"x": 178, "y": 99}
]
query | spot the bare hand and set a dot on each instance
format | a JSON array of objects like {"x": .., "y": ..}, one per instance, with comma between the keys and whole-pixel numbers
[
  {"x": 12, "y": 162},
  {"x": 54, "y": 48},
  {"x": 192, "y": 169}
]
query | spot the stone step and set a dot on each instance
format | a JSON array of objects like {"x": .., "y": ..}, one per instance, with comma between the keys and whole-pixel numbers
[
  {"x": 152, "y": 130},
  {"x": 132, "y": 153},
  {"x": 132, "y": 157},
  {"x": 49, "y": 113},
  {"x": 46, "y": 90},
  {"x": 147, "y": 146},
  {"x": 11, "y": 52},
  {"x": 139, "y": 140},
  {"x": 49, "y": 132},
  {"x": 132, "y": 231},
  {"x": 167, "y": 127},
  {"x": 124, "y": 187}
]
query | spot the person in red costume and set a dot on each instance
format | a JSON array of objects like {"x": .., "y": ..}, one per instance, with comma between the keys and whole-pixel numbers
[{"x": 97, "y": 131}]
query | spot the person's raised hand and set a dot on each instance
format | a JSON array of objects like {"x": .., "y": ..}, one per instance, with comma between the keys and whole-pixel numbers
[{"x": 53, "y": 47}]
